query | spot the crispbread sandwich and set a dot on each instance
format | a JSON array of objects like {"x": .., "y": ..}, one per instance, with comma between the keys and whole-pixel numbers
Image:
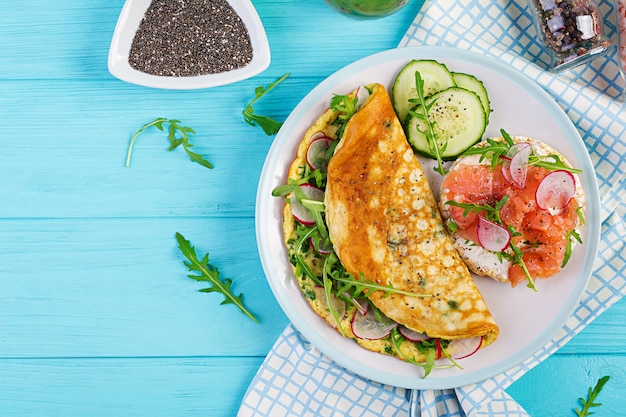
[{"x": 539, "y": 202}]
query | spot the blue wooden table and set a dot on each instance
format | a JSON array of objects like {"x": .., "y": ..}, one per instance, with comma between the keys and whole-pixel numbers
[{"x": 97, "y": 317}]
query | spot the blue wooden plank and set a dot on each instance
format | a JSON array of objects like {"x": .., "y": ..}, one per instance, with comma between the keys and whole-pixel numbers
[
  {"x": 553, "y": 387},
  {"x": 214, "y": 386},
  {"x": 96, "y": 315},
  {"x": 124, "y": 387},
  {"x": 118, "y": 287},
  {"x": 71, "y": 41}
]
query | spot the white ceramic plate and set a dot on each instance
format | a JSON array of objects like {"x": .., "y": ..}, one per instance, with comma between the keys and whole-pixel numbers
[
  {"x": 128, "y": 22},
  {"x": 527, "y": 320}
]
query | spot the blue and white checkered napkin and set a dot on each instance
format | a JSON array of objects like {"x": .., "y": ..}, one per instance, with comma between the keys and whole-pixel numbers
[{"x": 297, "y": 380}]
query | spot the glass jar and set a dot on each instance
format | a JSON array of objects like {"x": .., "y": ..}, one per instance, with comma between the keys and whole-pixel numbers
[
  {"x": 571, "y": 31},
  {"x": 367, "y": 9},
  {"x": 620, "y": 8}
]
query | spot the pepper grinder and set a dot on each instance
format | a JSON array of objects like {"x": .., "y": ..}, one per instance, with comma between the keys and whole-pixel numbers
[{"x": 571, "y": 31}]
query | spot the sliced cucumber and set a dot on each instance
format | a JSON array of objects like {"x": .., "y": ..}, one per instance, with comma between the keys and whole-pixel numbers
[
  {"x": 436, "y": 77},
  {"x": 469, "y": 82},
  {"x": 458, "y": 119}
]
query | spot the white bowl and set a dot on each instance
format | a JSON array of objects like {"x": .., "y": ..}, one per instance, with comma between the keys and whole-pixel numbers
[{"x": 128, "y": 22}]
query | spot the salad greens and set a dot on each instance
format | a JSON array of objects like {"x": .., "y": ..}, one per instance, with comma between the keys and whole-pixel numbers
[
  {"x": 433, "y": 144},
  {"x": 269, "y": 125},
  {"x": 496, "y": 150},
  {"x": 589, "y": 403},
  {"x": 175, "y": 141},
  {"x": 209, "y": 273}
]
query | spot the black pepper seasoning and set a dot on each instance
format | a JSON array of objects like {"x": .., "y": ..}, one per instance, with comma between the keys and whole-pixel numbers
[
  {"x": 571, "y": 31},
  {"x": 183, "y": 38}
]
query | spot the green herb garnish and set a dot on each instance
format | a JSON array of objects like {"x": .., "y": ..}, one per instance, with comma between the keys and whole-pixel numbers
[
  {"x": 496, "y": 151},
  {"x": 571, "y": 236},
  {"x": 426, "y": 347},
  {"x": 174, "y": 129},
  {"x": 345, "y": 106},
  {"x": 493, "y": 214},
  {"x": 269, "y": 125},
  {"x": 209, "y": 273},
  {"x": 433, "y": 144},
  {"x": 591, "y": 397}
]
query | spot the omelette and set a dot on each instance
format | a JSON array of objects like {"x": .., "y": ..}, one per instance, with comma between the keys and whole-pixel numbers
[{"x": 380, "y": 250}]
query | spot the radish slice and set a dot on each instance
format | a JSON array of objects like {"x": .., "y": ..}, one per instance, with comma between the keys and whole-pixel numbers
[
  {"x": 301, "y": 213},
  {"x": 555, "y": 191},
  {"x": 439, "y": 348},
  {"x": 362, "y": 94},
  {"x": 412, "y": 335},
  {"x": 338, "y": 304},
  {"x": 316, "y": 153},
  {"x": 367, "y": 327},
  {"x": 462, "y": 348},
  {"x": 518, "y": 167},
  {"x": 325, "y": 246},
  {"x": 492, "y": 236},
  {"x": 317, "y": 135},
  {"x": 506, "y": 169}
]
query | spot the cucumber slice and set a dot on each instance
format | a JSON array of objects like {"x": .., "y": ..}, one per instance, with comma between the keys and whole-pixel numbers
[
  {"x": 469, "y": 82},
  {"x": 436, "y": 77},
  {"x": 458, "y": 118}
]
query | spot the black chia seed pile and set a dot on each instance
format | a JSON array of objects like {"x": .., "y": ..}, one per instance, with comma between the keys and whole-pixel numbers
[{"x": 183, "y": 38}]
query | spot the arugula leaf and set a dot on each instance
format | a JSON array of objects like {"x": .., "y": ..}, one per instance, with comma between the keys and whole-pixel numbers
[
  {"x": 209, "y": 273},
  {"x": 591, "y": 397},
  {"x": 496, "y": 150},
  {"x": 269, "y": 125},
  {"x": 346, "y": 106},
  {"x": 173, "y": 130},
  {"x": 430, "y": 134},
  {"x": 571, "y": 236},
  {"x": 427, "y": 347}
]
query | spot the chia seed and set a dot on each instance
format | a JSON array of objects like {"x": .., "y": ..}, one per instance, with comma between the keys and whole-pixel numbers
[{"x": 185, "y": 38}]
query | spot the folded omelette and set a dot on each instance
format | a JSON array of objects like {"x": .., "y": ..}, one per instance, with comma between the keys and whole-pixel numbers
[{"x": 385, "y": 229}]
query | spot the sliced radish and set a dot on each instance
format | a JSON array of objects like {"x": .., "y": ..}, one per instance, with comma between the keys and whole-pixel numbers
[
  {"x": 301, "y": 213},
  {"x": 555, "y": 191},
  {"x": 361, "y": 304},
  {"x": 462, "y": 348},
  {"x": 338, "y": 304},
  {"x": 316, "y": 153},
  {"x": 317, "y": 135},
  {"x": 367, "y": 327},
  {"x": 412, "y": 335},
  {"x": 492, "y": 236},
  {"x": 325, "y": 246},
  {"x": 518, "y": 166},
  {"x": 362, "y": 94},
  {"x": 439, "y": 348},
  {"x": 506, "y": 169}
]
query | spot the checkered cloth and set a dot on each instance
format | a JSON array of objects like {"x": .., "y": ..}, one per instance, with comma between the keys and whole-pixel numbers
[{"x": 297, "y": 380}]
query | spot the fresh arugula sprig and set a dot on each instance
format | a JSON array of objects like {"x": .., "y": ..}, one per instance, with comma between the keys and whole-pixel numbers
[
  {"x": 589, "y": 403},
  {"x": 209, "y": 273},
  {"x": 173, "y": 130},
  {"x": 493, "y": 214},
  {"x": 269, "y": 125},
  {"x": 571, "y": 237},
  {"x": 496, "y": 150},
  {"x": 348, "y": 284},
  {"x": 427, "y": 347},
  {"x": 345, "y": 106},
  {"x": 434, "y": 146}
]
